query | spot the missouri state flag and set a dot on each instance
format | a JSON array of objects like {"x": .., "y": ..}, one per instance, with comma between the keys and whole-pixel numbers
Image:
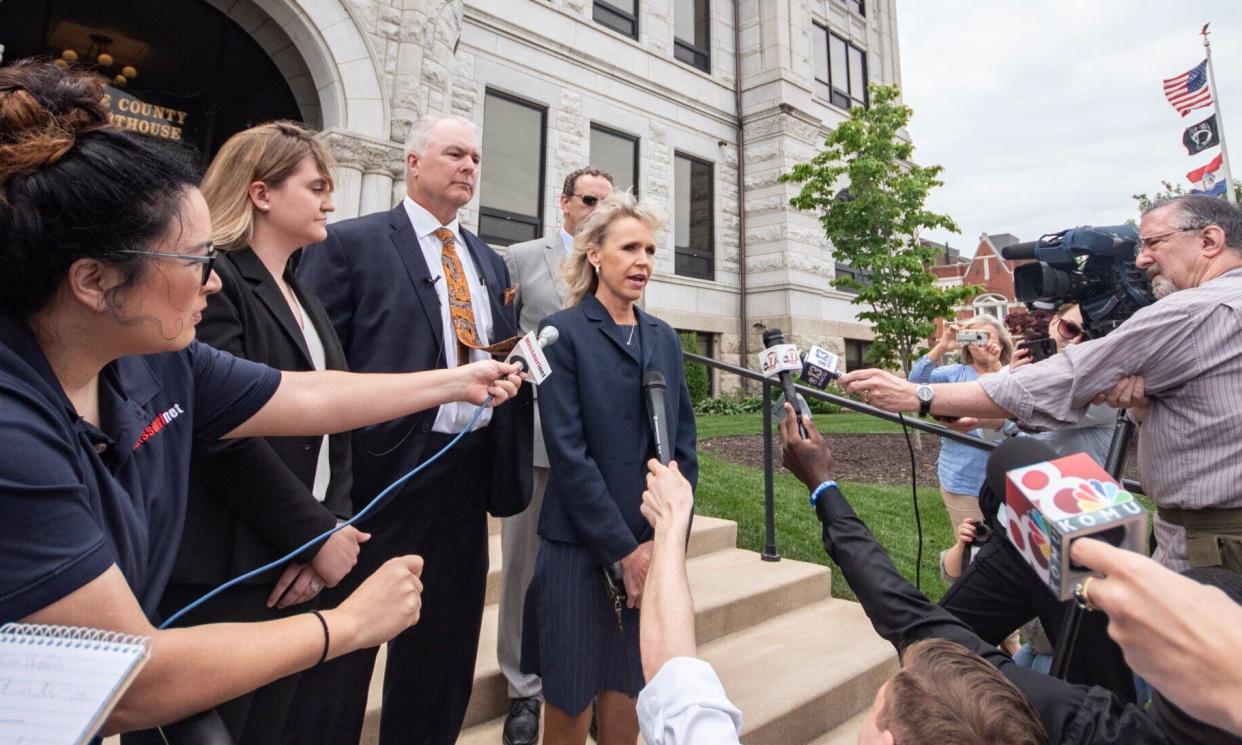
[
  {"x": 1207, "y": 179},
  {"x": 1189, "y": 91}
]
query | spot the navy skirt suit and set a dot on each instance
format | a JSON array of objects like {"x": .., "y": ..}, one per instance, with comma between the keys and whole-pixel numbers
[{"x": 598, "y": 437}]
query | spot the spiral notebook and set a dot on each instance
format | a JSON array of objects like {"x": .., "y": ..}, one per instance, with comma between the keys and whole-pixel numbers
[{"x": 59, "y": 683}]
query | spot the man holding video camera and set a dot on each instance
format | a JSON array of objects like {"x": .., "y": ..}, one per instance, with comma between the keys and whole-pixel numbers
[{"x": 1181, "y": 352}]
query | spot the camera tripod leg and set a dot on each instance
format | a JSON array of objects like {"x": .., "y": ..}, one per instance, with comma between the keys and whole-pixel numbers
[{"x": 1073, "y": 618}]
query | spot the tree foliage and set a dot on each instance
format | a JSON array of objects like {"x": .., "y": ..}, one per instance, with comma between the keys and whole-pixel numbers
[
  {"x": 1176, "y": 190},
  {"x": 697, "y": 379},
  {"x": 869, "y": 197}
]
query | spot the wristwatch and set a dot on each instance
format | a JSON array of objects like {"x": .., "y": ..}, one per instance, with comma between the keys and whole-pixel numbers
[{"x": 925, "y": 394}]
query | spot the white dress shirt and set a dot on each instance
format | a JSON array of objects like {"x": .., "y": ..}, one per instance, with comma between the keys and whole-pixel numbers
[
  {"x": 314, "y": 345},
  {"x": 567, "y": 240},
  {"x": 453, "y": 418},
  {"x": 685, "y": 704}
]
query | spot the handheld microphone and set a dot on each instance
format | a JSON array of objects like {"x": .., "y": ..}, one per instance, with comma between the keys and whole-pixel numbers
[
  {"x": 653, "y": 391},
  {"x": 779, "y": 358},
  {"x": 528, "y": 354},
  {"x": 1054, "y": 502},
  {"x": 819, "y": 368}
]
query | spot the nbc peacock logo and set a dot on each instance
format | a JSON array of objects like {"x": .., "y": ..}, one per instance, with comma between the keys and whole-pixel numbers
[{"x": 1089, "y": 495}]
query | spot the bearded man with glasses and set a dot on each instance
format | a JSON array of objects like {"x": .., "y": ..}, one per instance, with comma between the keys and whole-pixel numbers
[
  {"x": 1177, "y": 365},
  {"x": 1181, "y": 355}
]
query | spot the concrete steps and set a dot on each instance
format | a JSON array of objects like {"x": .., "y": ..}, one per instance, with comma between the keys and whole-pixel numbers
[{"x": 800, "y": 665}]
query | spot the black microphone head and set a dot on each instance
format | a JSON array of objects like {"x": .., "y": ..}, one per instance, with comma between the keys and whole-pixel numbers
[
  {"x": 1015, "y": 452},
  {"x": 654, "y": 379},
  {"x": 1019, "y": 251},
  {"x": 772, "y": 337},
  {"x": 1010, "y": 454}
]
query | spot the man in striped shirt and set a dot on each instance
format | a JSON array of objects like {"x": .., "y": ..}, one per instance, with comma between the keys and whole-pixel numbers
[{"x": 1183, "y": 352}]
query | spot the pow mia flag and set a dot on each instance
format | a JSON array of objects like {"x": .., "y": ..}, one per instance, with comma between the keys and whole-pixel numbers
[{"x": 1201, "y": 136}]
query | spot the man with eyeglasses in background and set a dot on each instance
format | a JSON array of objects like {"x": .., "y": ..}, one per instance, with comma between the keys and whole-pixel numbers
[
  {"x": 1180, "y": 359},
  {"x": 535, "y": 268}
]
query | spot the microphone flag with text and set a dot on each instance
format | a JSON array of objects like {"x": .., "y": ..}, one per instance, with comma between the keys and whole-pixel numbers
[
  {"x": 528, "y": 354},
  {"x": 819, "y": 368},
  {"x": 1051, "y": 503},
  {"x": 778, "y": 360}
]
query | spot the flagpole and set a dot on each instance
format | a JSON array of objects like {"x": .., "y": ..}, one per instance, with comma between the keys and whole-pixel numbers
[{"x": 1220, "y": 120}]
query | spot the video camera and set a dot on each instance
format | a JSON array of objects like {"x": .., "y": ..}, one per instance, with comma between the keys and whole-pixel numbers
[{"x": 1093, "y": 267}]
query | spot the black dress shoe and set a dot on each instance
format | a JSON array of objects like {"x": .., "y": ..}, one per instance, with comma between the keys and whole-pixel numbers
[{"x": 522, "y": 723}]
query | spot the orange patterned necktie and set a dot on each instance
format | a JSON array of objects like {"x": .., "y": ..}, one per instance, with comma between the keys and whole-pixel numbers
[{"x": 461, "y": 312}]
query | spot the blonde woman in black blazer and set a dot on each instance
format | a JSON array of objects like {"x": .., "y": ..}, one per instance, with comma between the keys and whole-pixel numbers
[
  {"x": 596, "y": 429},
  {"x": 252, "y": 500}
]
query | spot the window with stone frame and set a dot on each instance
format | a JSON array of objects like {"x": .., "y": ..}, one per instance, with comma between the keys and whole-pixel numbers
[
  {"x": 615, "y": 153},
  {"x": 619, "y": 15},
  {"x": 856, "y": 354},
  {"x": 858, "y": 6},
  {"x": 691, "y": 33},
  {"x": 992, "y": 304},
  {"x": 840, "y": 69},
  {"x": 511, "y": 185},
  {"x": 694, "y": 198}
]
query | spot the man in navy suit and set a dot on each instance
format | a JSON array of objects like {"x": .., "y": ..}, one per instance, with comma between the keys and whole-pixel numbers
[{"x": 399, "y": 286}]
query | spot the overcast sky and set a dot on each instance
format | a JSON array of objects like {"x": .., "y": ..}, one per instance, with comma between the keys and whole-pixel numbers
[{"x": 1047, "y": 115}]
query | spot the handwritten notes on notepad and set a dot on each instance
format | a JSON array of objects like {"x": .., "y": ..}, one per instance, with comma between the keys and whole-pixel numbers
[{"x": 58, "y": 684}]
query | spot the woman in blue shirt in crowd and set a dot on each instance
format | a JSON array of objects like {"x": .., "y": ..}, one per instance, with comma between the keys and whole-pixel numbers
[
  {"x": 961, "y": 467},
  {"x": 105, "y": 244}
]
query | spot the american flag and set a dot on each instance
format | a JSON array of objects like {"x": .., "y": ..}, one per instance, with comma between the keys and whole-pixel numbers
[{"x": 1189, "y": 91}]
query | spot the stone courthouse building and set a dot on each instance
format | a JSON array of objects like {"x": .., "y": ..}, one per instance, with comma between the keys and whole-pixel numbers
[{"x": 697, "y": 104}]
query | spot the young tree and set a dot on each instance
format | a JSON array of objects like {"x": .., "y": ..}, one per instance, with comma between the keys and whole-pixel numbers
[
  {"x": 1175, "y": 190},
  {"x": 874, "y": 222}
]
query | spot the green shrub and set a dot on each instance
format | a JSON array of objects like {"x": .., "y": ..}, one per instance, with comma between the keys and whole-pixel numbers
[
  {"x": 819, "y": 406},
  {"x": 729, "y": 405},
  {"x": 696, "y": 372}
]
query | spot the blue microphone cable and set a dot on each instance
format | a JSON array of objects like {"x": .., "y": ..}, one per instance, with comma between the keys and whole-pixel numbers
[{"x": 374, "y": 505}]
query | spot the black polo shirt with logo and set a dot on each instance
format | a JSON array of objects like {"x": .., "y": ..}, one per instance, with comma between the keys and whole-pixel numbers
[{"x": 75, "y": 499}]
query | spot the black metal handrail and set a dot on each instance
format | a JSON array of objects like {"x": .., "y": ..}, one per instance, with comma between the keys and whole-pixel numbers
[
  {"x": 770, "y": 552},
  {"x": 849, "y": 403}
]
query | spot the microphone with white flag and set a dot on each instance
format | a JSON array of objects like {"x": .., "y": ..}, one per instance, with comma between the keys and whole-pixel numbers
[{"x": 528, "y": 354}]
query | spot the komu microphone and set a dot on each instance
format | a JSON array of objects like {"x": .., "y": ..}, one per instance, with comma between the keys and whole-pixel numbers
[
  {"x": 528, "y": 354},
  {"x": 778, "y": 359},
  {"x": 653, "y": 392},
  {"x": 1052, "y": 503}
]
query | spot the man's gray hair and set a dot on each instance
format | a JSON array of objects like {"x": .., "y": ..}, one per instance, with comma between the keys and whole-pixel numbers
[
  {"x": 1197, "y": 211},
  {"x": 420, "y": 132}
]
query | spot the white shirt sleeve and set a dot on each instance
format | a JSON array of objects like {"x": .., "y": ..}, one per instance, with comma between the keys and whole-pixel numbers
[{"x": 685, "y": 703}]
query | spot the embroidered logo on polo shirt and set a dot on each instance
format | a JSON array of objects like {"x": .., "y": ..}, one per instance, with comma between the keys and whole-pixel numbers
[{"x": 159, "y": 423}]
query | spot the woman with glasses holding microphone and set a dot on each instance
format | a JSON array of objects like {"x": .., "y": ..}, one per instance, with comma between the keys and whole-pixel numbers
[
  {"x": 106, "y": 245},
  {"x": 253, "y": 500}
]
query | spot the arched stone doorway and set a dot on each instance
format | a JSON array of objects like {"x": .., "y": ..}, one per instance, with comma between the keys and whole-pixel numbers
[{"x": 204, "y": 69}]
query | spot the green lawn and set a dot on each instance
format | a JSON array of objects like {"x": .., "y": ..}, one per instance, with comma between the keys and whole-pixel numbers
[
  {"x": 721, "y": 425},
  {"x": 735, "y": 493}
]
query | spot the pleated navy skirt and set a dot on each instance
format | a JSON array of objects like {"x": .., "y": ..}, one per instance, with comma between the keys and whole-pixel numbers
[{"x": 570, "y": 636}]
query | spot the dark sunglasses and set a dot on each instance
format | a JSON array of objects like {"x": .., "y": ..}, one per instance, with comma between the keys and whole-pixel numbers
[
  {"x": 587, "y": 199},
  {"x": 1071, "y": 329},
  {"x": 208, "y": 259}
]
